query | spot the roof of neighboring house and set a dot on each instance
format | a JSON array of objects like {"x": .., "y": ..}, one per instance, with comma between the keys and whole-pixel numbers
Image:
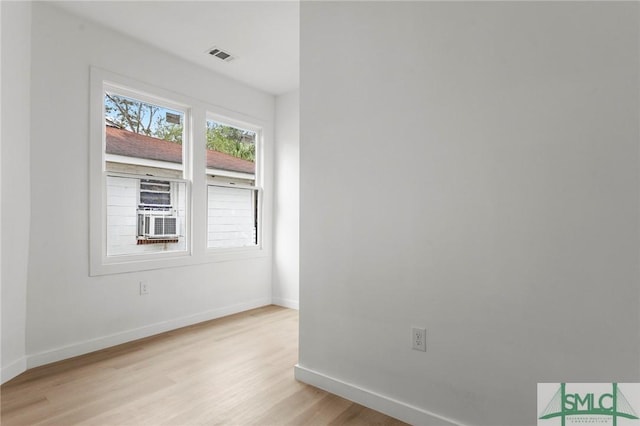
[{"x": 130, "y": 144}]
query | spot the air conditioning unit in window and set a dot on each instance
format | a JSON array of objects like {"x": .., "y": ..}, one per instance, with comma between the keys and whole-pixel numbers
[{"x": 160, "y": 226}]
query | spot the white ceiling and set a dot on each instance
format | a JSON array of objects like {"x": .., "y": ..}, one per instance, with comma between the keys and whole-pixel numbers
[{"x": 262, "y": 35}]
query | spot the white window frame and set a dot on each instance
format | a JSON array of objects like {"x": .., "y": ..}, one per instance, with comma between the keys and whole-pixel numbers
[{"x": 194, "y": 174}]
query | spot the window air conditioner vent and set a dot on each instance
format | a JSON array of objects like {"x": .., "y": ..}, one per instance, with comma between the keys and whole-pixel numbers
[{"x": 160, "y": 226}]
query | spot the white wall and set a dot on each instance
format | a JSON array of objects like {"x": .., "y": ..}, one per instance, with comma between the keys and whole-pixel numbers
[
  {"x": 286, "y": 268},
  {"x": 472, "y": 168},
  {"x": 16, "y": 68},
  {"x": 69, "y": 312}
]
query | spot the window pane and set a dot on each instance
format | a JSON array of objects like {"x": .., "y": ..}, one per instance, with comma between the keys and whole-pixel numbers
[
  {"x": 142, "y": 134},
  {"x": 154, "y": 185},
  {"x": 231, "y": 150},
  {"x": 140, "y": 222},
  {"x": 154, "y": 199},
  {"x": 231, "y": 217},
  {"x": 154, "y": 194}
]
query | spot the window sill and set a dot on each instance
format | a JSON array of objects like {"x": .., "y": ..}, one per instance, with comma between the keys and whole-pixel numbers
[{"x": 128, "y": 264}]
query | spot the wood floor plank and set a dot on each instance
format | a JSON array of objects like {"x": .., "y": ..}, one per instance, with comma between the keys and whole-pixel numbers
[
  {"x": 322, "y": 412},
  {"x": 236, "y": 370}
]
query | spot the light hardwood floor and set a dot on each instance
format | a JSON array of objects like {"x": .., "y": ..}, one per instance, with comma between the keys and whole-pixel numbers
[{"x": 236, "y": 370}]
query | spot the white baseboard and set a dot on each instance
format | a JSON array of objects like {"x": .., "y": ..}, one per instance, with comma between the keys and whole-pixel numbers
[
  {"x": 287, "y": 303},
  {"x": 10, "y": 371},
  {"x": 81, "y": 348},
  {"x": 389, "y": 406}
]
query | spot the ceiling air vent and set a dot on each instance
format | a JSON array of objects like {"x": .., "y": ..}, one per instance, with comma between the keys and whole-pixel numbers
[{"x": 220, "y": 54}]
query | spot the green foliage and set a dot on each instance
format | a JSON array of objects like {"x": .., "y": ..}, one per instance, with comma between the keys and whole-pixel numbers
[
  {"x": 230, "y": 140},
  {"x": 168, "y": 131}
]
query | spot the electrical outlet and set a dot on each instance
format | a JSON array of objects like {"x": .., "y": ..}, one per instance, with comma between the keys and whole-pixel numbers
[
  {"x": 418, "y": 339},
  {"x": 144, "y": 288}
]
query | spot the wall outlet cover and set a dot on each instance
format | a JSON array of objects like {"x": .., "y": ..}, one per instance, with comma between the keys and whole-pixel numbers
[{"x": 418, "y": 339}]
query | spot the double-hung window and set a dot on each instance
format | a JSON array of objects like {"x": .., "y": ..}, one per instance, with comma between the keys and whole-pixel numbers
[
  {"x": 150, "y": 207},
  {"x": 145, "y": 141},
  {"x": 233, "y": 197}
]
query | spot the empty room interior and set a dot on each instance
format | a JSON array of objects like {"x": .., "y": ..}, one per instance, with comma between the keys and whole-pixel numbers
[{"x": 317, "y": 212}]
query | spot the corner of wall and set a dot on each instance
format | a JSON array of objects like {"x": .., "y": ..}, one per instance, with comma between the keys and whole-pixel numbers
[{"x": 286, "y": 217}]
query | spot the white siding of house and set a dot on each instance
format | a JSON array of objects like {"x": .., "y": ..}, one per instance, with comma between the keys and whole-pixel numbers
[
  {"x": 231, "y": 217},
  {"x": 122, "y": 204}
]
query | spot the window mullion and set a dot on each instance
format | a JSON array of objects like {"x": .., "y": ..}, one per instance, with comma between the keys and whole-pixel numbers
[{"x": 198, "y": 165}]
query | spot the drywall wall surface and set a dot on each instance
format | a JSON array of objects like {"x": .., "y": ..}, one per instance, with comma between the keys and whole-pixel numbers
[
  {"x": 16, "y": 68},
  {"x": 471, "y": 168},
  {"x": 68, "y": 311},
  {"x": 286, "y": 269}
]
